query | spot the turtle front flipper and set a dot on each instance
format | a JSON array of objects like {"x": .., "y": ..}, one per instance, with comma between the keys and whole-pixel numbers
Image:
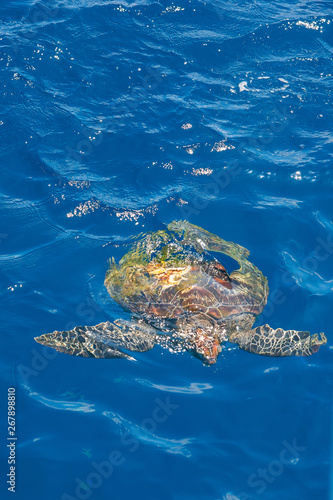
[
  {"x": 101, "y": 341},
  {"x": 266, "y": 341}
]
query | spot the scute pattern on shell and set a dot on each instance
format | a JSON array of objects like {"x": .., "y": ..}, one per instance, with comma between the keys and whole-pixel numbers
[{"x": 166, "y": 279}]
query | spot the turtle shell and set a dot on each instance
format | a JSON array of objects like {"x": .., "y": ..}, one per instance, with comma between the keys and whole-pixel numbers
[{"x": 180, "y": 287}]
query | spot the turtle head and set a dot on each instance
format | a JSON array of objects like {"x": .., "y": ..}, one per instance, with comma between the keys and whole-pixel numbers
[{"x": 206, "y": 347}]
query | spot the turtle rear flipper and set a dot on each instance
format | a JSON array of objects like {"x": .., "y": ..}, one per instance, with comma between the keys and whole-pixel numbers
[
  {"x": 266, "y": 341},
  {"x": 100, "y": 341},
  {"x": 204, "y": 240}
]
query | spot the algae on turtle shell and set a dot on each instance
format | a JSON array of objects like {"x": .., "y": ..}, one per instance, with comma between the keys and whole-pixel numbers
[{"x": 181, "y": 297}]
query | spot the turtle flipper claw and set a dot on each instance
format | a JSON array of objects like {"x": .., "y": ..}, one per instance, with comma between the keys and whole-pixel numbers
[
  {"x": 100, "y": 341},
  {"x": 266, "y": 341}
]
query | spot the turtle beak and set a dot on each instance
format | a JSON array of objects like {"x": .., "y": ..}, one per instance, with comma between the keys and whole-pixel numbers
[
  {"x": 207, "y": 349},
  {"x": 209, "y": 361},
  {"x": 211, "y": 357}
]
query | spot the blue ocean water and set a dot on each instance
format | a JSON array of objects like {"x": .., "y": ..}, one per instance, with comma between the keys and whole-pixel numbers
[{"x": 117, "y": 118}]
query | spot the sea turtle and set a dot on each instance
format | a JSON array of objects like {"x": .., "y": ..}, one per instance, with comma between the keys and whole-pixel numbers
[{"x": 182, "y": 297}]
